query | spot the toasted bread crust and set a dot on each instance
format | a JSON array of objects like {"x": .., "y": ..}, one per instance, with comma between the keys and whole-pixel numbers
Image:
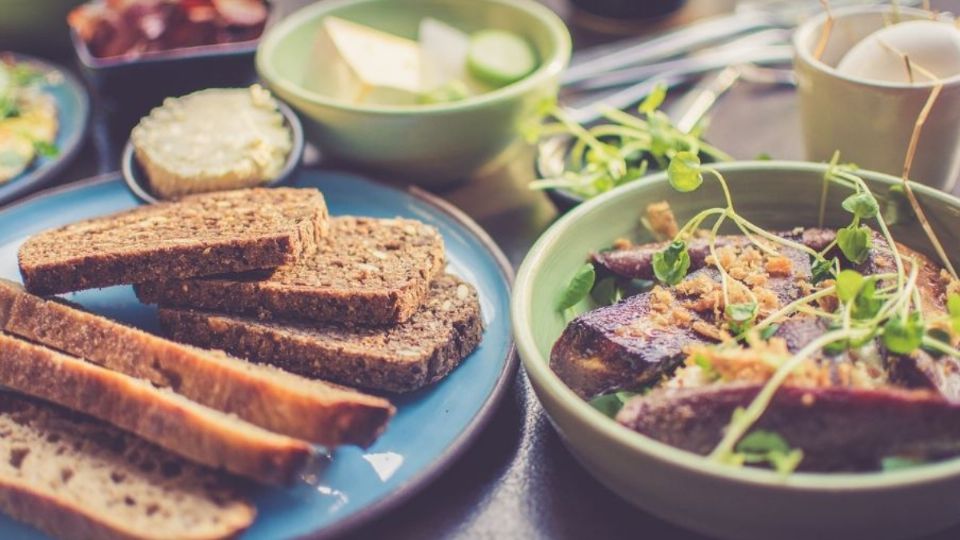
[
  {"x": 401, "y": 358},
  {"x": 367, "y": 271},
  {"x": 311, "y": 410},
  {"x": 160, "y": 416},
  {"x": 55, "y": 509},
  {"x": 195, "y": 236}
]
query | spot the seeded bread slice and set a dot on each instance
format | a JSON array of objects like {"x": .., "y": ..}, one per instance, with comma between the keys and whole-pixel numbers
[
  {"x": 273, "y": 399},
  {"x": 215, "y": 233},
  {"x": 367, "y": 271},
  {"x": 160, "y": 416},
  {"x": 398, "y": 358},
  {"x": 74, "y": 477}
]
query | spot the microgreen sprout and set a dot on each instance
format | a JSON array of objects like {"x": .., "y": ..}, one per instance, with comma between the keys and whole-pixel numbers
[
  {"x": 884, "y": 305},
  {"x": 624, "y": 149}
]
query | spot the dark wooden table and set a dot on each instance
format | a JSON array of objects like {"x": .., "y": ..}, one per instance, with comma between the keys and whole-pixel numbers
[{"x": 518, "y": 480}]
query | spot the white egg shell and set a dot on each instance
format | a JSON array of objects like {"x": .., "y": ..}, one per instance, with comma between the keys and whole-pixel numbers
[{"x": 933, "y": 45}]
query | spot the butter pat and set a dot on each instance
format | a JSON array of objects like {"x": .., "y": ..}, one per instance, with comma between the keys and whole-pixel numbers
[
  {"x": 212, "y": 140},
  {"x": 364, "y": 65}
]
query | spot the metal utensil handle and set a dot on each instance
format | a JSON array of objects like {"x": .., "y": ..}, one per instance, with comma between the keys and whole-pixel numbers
[{"x": 604, "y": 58}]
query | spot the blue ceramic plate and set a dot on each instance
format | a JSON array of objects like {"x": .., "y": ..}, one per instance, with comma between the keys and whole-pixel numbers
[
  {"x": 431, "y": 428},
  {"x": 73, "y": 111}
]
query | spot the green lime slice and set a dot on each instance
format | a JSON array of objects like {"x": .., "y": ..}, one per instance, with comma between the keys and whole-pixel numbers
[{"x": 499, "y": 58}]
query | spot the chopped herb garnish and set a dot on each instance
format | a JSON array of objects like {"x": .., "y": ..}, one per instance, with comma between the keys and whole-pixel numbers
[{"x": 953, "y": 307}]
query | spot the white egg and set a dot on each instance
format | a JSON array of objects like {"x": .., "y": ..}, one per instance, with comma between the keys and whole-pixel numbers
[{"x": 932, "y": 45}]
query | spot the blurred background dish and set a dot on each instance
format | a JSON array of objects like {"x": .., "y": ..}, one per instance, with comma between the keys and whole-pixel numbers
[
  {"x": 430, "y": 145},
  {"x": 138, "y": 181},
  {"x": 39, "y": 26},
  {"x": 71, "y": 106},
  {"x": 154, "y": 50}
]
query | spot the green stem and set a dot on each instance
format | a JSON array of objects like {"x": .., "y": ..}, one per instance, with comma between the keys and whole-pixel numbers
[{"x": 742, "y": 422}]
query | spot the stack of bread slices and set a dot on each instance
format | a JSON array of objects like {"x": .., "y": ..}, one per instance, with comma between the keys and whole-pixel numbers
[{"x": 112, "y": 432}]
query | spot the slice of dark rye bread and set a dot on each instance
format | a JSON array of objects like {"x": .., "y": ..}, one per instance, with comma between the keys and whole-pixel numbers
[
  {"x": 273, "y": 399},
  {"x": 215, "y": 233},
  {"x": 160, "y": 416},
  {"x": 367, "y": 271},
  {"x": 398, "y": 358},
  {"x": 74, "y": 477}
]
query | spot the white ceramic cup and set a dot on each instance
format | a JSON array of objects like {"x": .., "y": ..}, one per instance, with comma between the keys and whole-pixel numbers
[{"x": 870, "y": 122}]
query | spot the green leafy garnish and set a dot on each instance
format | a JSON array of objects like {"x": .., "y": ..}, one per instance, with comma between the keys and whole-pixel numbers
[
  {"x": 578, "y": 288},
  {"x": 706, "y": 366},
  {"x": 768, "y": 331},
  {"x": 848, "y": 284},
  {"x": 866, "y": 304},
  {"x": 863, "y": 205},
  {"x": 822, "y": 269},
  {"x": 760, "y": 446},
  {"x": 855, "y": 242},
  {"x": 46, "y": 149},
  {"x": 604, "y": 156},
  {"x": 739, "y": 316},
  {"x": 903, "y": 335},
  {"x": 671, "y": 265},
  {"x": 763, "y": 156},
  {"x": 610, "y": 404},
  {"x": 654, "y": 99},
  {"x": 684, "y": 172}
]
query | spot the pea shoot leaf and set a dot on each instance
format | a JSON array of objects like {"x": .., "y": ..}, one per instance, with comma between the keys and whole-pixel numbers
[
  {"x": 863, "y": 205},
  {"x": 760, "y": 446},
  {"x": 848, "y": 285},
  {"x": 903, "y": 335},
  {"x": 671, "y": 265},
  {"x": 46, "y": 149},
  {"x": 610, "y": 404},
  {"x": 654, "y": 99},
  {"x": 822, "y": 269},
  {"x": 768, "y": 331},
  {"x": 866, "y": 304},
  {"x": 578, "y": 288},
  {"x": 684, "y": 172},
  {"x": 855, "y": 243}
]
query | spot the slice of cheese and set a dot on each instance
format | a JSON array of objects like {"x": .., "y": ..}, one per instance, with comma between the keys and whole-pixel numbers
[
  {"x": 443, "y": 52},
  {"x": 364, "y": 65}
]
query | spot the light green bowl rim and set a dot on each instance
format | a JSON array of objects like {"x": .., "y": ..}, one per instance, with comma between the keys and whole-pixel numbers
[
  {"x": 550, "y": 67},
  {"x": 537, "y": 366}
]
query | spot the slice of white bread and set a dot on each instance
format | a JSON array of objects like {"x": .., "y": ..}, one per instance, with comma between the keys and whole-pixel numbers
[
  {"x": 74, "y": 477},
  {"x": 161, "y": 416},
  {"x": 273, "y": 399}
]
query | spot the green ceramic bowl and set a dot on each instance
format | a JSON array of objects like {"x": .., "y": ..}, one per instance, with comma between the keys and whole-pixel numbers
[
  {"x": 429, "y": 145},
  {"x": 684, "y": 488}
]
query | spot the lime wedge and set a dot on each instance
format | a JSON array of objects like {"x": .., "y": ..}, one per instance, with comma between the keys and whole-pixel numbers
[{"x": 499, "y": 58}]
